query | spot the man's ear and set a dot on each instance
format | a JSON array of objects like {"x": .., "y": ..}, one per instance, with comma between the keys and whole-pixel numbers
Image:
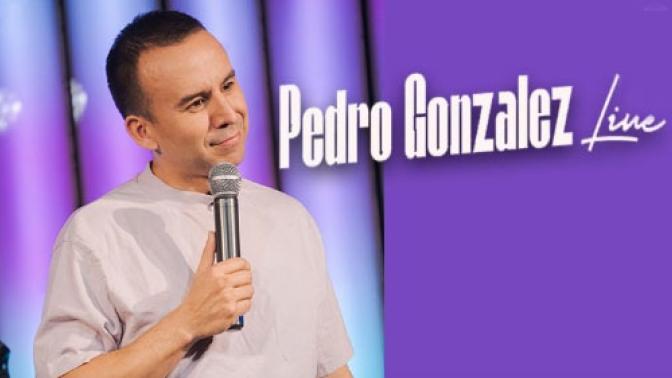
[{"x": 142, "y": 131}]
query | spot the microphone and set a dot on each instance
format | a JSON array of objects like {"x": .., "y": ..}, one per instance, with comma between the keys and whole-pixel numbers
[{"x": 224, "y": 179}]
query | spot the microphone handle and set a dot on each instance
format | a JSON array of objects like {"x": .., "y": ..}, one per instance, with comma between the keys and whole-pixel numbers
[{"x": 227, "y": 236}]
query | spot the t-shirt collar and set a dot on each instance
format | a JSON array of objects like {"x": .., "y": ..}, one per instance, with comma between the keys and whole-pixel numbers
[{"x": 157, "y": 187}]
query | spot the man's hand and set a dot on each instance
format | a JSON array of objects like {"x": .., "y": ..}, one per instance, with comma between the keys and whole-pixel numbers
[
  {"x": 219, "y": 293},
  {"x": 342, "y": 372}
]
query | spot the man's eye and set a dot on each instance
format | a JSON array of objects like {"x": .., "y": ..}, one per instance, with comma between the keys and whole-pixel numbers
[
  {"x": 197, "y": 104},
  {"x": 228, "y": 85}
]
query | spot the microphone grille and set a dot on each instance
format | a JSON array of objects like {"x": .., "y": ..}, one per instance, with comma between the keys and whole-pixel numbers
[{"x": 224, "y": 179}]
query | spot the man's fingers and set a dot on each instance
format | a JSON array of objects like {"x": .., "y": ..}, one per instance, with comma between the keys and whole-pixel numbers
[
  {"x": 243, "y": 306},
  {"x": 208, "y": 255},
  {"x": 244, "y": 292},
  {"x": 232, "y": 265},
  {"x": 239, "y": 278}
]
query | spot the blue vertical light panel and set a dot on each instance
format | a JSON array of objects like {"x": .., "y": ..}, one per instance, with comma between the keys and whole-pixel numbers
[
  {"x": 108, "y": 156},
  {"x": 318, "y": 46},
  {"x": 37, "y": 191},
  {"x": 236, "y": 25}
]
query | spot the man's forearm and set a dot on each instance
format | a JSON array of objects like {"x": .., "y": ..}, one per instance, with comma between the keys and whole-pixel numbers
[{"x": 154, "y": 354}]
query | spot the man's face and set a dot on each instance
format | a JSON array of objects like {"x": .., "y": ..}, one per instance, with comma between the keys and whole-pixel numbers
[{"x": 198, "y": 108}]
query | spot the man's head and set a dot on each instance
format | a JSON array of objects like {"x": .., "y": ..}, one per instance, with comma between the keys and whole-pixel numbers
[{"x": 176, "y": 89}]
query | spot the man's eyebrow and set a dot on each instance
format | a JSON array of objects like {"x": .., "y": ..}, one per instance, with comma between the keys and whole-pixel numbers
[
  {"x": 206, "y": 94},
  {"x": 186, "y": 99},
  {"x": 230, "y": 76}
]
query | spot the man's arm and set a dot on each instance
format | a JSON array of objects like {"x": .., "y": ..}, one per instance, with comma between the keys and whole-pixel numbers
[
  {"x": 218, "y": 294},
  {"x": 154, "y": 354},
  {"x": 342, "y": 372}
]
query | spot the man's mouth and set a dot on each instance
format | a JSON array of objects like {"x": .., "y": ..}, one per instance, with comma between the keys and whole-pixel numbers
[{"x": 226, "y": 142}]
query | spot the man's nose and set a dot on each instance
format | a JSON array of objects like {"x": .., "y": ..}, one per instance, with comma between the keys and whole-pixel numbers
[{"x": 222, "y": 114}]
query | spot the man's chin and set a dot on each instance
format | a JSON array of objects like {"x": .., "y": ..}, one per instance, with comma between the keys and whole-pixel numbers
[{"x": 233, "y": 158}]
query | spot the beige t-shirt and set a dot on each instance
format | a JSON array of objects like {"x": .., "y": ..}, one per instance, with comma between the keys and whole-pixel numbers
[{"x": 124, "y": 261}]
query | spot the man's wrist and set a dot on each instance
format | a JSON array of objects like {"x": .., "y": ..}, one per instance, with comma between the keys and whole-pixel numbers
[{"x": 177, "y": 321}]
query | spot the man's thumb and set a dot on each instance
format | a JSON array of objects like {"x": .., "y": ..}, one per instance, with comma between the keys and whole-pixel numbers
[{"x": 208, "y": 256}]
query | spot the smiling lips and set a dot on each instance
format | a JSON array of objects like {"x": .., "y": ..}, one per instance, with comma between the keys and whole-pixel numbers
[{"x": 226, "y": 142}]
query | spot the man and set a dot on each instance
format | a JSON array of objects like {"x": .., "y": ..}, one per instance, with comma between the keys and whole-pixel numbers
[{"x": 133, "y": 292}]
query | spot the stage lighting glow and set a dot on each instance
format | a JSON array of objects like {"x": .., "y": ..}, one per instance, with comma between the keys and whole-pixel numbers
[
  {"x": 78, "y": 98},
  {"x": 317, "y": 46},
  {"x": 10, "y": 107}
]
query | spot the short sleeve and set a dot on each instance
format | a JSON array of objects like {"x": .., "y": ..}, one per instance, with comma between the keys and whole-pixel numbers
[
  {"x": 333, "y": 344},
  {"x": 79, "y": 321},
  {"x": 334, "y": 348}
]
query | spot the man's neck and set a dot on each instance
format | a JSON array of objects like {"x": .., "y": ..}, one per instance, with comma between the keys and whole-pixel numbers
[{"x": 192, "y": 183}]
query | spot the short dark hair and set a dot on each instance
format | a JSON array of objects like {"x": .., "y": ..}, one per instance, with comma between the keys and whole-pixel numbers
[{"x": 148, "y": 30}]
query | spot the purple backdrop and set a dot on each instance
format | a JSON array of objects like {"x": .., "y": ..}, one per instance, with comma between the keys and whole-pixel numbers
[{"x": 535, "y": 263}]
